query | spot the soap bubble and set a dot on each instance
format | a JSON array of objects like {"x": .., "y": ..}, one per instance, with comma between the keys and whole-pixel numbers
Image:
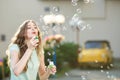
[
  {"x": 53, "y": 52},
  {"x": 49, "y": 53},
  {"x": 89, "y": 26},
  {"x": 92, "y": 1},
  {"x": 74, "y": 3},
  {"x": 76, "y": 17},
  {"x": 107, "y": 72},
  {"x": 111, "y": 65},
  {"x": 66, "y": 74},
  {"x": 83, "y": 28},
  {"x": 89, "y": 1},
  {"x": 108, "y": 76},
  {"x": 86, "y": 1},
  {"x": 79, "y": 10},
  {"x": 55, "y": 29},
  {"x": 64, "y": 28},
  {"x": 96, "y": 61},
  {"x": 55, "y": 9},
  {"x": 48, "y": 60},
  {"x": 108, "y": 67},
  {"x": 41, "y": 19},
  {"x": 102, "y": 70},
  {"x": 83, "y": 77},
  {"x": 74, "y": 0},
  {"x": 45, "y": 32},
  {"x": 101, "y": 67},
  {"x": 88, "y": 72}
]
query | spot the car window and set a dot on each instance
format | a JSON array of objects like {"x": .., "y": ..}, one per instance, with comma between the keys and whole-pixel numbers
[{"x": 93, "y": 45}]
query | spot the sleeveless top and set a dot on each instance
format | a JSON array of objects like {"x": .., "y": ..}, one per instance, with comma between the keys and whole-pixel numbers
[{"x": 32, "y": 70}]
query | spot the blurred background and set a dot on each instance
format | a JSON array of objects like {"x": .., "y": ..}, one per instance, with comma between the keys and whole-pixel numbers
[{"x": 81, "y": 37}]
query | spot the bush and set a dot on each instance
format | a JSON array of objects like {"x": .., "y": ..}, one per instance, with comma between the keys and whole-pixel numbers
[
  {"x": 6, "y": 68},
  {"x": 69, "y": 51},
  {"x": 66, "y": 55}
]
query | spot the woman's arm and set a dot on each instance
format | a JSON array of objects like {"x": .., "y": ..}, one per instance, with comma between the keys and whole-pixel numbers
[
  {"x": 44, "y": 76},
  {"x": 18, "y": 65},
  {"x": 44, "y": 72}
]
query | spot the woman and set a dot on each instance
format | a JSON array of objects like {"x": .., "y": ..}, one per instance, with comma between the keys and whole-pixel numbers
[{"x": 26, "y": 55}]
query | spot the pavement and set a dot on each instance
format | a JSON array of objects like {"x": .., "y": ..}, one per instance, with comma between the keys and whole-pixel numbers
[{"x": 92, "y": 74}]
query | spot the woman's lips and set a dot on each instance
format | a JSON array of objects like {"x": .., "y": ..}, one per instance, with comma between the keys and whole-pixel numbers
[{"x": 33, "y": 32}]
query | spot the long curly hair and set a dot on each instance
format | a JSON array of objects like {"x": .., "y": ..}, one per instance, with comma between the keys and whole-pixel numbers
[{"x": 19, "y": 39}]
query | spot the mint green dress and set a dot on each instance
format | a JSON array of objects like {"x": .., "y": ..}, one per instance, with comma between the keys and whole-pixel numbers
[{"x": 32, "y": 70}]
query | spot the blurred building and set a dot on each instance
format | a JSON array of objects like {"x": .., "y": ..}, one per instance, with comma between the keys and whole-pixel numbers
[{"x": 102, "y": 15}]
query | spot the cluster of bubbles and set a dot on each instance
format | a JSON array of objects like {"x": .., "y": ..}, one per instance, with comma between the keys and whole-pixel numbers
[
  {"x": 82, "y": 76},
  {"x": 52, "y": 28},
  {"x": 50, "y": 54},
  {"x": 89, "y": 1},
  {"x": 75, "y": 2},
  {"x": 86, "y": 75},
  {"x": 76, "y": 21},
  {"x": 104, "y": 70},
  {"x": 109, "y": 75}
]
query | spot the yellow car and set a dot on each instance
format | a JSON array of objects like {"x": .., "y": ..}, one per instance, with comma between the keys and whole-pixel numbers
[{"x": 95, "y": 53}]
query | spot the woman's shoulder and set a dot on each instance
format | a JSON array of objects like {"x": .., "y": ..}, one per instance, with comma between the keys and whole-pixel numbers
[{"x": 14, "y": 47}]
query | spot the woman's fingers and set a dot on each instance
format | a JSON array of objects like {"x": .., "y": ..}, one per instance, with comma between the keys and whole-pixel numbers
[
  {"x": 52, "y": 70},
  {"x": 34, "y": 41}
]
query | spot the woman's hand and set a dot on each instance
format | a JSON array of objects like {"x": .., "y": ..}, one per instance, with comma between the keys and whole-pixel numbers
[
  {"x": 33, "y": 43},
  {"x": 52, "y": 70},
  {"x": 47, "y": 73}
]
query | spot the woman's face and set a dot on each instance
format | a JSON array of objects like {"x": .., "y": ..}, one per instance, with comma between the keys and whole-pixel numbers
[{"x": 32, "y": 30}]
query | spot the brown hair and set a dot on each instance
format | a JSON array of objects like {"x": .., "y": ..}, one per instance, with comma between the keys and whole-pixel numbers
[{"x": 19, "y": 39}]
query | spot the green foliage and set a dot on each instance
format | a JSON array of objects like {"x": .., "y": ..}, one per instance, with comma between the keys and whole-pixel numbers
[
  {"x": 6, "y": 68},
  {"x": 69, "y": 51},
  {"x": 66, "y": 55}
]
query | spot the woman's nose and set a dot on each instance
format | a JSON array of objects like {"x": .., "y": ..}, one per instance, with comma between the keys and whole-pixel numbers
[{"x": 33, "y": 29}]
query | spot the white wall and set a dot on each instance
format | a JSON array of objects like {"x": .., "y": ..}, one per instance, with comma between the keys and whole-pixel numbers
[
  {"x": 107, "y": 28},
  {"x": 14, "y": 12}
]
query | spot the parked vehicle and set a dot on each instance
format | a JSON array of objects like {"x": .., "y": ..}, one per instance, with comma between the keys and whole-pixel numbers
[{"x": 95, "y": 54}]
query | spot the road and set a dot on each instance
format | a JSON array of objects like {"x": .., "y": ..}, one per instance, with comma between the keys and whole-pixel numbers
[
  {"x": 77, "y": 74},
  {"x": 92, "y": 74}
]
